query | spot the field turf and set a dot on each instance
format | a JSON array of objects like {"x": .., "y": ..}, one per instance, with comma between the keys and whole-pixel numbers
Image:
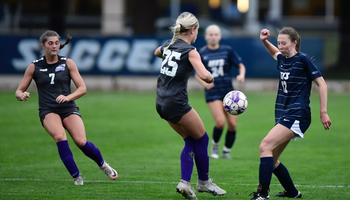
[{"x": 145, "y": 150}]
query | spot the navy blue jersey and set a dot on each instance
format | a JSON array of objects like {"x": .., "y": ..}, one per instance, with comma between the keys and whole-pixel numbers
[
  {"x": 220, "y": 63},
  {"x": 52, "y": 80},
  {"x": 296, "y": 76},
  {"x": 174, "y": 74}
]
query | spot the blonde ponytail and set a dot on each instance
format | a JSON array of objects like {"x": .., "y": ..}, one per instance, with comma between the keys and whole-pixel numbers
[{"x": 184, "y": 22}]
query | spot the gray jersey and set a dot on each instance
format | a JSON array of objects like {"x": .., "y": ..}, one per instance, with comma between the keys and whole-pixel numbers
[
  {"x": 52, "y": 80},
  {"x": 174, "y": 74}
]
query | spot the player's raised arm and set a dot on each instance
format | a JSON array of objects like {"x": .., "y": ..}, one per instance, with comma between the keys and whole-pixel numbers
[{"x": 273, "y": 51}]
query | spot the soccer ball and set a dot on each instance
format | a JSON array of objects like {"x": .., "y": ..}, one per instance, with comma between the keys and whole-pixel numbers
[{"x": 235, "y": 102}]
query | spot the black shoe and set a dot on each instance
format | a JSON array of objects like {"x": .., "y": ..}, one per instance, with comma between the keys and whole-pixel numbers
[
  {"x": 284, "y": 194},
  {"x": 258, "y": 196}
]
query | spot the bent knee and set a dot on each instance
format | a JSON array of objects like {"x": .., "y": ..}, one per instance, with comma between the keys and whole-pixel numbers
[
  {"x": 220, "y": 124},
  {"x": 80, "y": 142},
  {"x": 265, "y": 147}
]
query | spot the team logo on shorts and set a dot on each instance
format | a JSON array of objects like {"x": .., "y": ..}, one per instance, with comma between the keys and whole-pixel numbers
[{"x": 60, "y": 68}]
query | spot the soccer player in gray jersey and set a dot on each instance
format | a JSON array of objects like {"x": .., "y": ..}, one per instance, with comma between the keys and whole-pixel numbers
[
  {"x": 57, "y": 110},
  {"x": 219, "y": 59},
  {"x": 292, "y": 109},
  {"x": 179, "y": 58}
]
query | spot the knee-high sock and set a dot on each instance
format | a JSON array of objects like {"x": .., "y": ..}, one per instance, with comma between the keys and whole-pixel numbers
[
  {"x": 230, "y": 139},
  {"x": 91, "y": 151},
  {"x": 217, "y": 134},
  {"x": 281, "y": 172},
  {"x": 265, "y": 174},
  {"x": 186, "y": 159},
  {"x": 201, "y": 157},
  {"x": 67, "y": 158}
]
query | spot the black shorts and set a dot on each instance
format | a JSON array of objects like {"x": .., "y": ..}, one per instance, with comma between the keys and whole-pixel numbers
[
  {"x": 63, "y": 112},
  {"x": 216, "y": 94},
  {"x": 173, "y": 113}
]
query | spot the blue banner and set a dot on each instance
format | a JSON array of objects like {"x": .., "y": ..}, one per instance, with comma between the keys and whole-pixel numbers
[{"x": 134, "y": 55}]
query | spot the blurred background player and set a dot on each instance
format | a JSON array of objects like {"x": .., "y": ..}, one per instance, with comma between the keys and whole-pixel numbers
[
  {"x": 57, "y": 109},
  {"x": 179, "y": 58},
  {"x": 219, "y": 59},
  {"x": 292, "y": 109}
]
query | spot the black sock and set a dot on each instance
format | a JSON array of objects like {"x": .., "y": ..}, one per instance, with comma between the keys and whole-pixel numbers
[
  {"x": 230, "y": 139},
  {"x": 265, "y": 174},
  {"x": 216, "y": 134},
  {"x": 281, "y": 172}
]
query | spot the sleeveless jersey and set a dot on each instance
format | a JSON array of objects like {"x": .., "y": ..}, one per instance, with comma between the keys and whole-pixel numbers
[
  {"x": 220, "y": 63},
  {"x": 174, "y": 74},
  {"x": 52, "y": 80},
  {"x": 296, "y": 76}
]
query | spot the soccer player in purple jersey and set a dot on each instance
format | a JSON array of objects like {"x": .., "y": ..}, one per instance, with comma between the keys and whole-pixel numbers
[
  {"x": 57, "y": 109},
  {"x": 179, "y": 58},
  {"x": 292, "y": 109},
  {"x": 219, "y": 59}
]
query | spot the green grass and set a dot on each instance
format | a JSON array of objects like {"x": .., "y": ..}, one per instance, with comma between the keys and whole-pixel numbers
[{"x": 145, "y": 150}]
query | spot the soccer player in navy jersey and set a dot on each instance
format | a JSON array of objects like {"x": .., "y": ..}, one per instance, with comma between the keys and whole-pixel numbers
[
  {"x": 179, "y": 58},
  {"x": 292, "y": 109},
  {"x": 58, "y": 112},
  {"x": 219, "y": 59}
]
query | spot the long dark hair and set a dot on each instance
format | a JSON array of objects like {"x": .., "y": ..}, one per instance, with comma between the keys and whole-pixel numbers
[{"x": 50, "y": 33}]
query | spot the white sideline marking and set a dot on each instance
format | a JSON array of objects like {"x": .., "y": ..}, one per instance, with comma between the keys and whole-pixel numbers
[{"x": 159, "y": 182}]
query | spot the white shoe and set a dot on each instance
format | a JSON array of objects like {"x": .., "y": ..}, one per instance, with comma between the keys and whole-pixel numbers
[
  {"x": 226, "y": 156},
  {"x": 78, "y": 181},
  {"x": 109, "y": 171},
  {"x": 186, "y": 190},
  {"x": 214, "y": 150},
  {"x": 210, "y": 187}
]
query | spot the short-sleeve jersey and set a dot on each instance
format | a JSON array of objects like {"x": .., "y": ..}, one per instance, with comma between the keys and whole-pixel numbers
[
  {"x": 174, "y": 74},
  {"x": 52, "y": 80},
  {"x": 220, "y": 63},
  {"x": 296, "y": 76}
]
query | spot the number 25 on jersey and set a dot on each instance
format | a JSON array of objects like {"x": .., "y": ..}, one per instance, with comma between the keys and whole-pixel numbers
[{"x": 169, "y": 66}]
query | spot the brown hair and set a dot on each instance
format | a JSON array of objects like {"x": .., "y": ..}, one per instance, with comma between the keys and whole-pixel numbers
[
  {"x": 293, "y": 34},
  {"x": 50, "y": 33}
]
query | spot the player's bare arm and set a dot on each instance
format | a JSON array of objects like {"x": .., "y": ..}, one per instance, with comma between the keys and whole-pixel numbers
[
  {"x": 197, "y": 64},
  {"x": 78, "y": 81},
  {"x": 273, "y": 51},
  {"x": 158, "y": 52},
  {"x": 241, "y": 76},
  {"x": 21, "y": 93},
  {"x": 325, "y": 120}
]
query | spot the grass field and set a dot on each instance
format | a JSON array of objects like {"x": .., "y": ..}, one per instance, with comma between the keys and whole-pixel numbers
[{"x": 145, "y": 151}]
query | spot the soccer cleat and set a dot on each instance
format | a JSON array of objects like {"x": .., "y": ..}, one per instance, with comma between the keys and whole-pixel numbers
[
  {"x": 226, "y": 155},
  {"x": 78, "y": 180},
  {"x": 186, "y": 190},
  {"x": 214, "y": 150},
  {"x": 284, "y": 194},
  {"x": 109, "y": 171},
  {"x": 259, "y": 196},
  {"x": 210, "y": 187}
]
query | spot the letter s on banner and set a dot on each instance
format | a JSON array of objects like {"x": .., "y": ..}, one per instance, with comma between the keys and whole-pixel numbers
[
  {"x": 108, "y": 60},
  {"x": 84, "y": 54},
  {"x": 141, "y": 54},
  {"x": 26, "y": 48}
]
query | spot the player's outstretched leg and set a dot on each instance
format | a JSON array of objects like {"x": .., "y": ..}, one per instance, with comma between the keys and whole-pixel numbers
[
  {"x": 109, "y": 171},
  {"x": 210, "y": 187},
  {"x": 184, "y": 188}
]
